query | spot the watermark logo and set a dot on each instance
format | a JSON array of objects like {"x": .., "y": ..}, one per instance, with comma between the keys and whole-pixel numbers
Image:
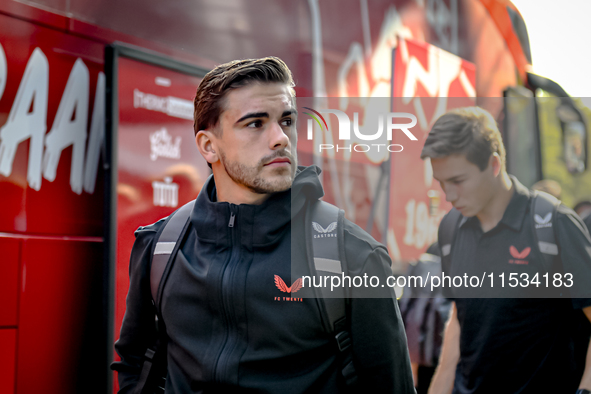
[
  {"x": 388, "y": 122},
  {"x": 543, "y": 222},
  {"x": 518, "y": 257},
  {"x": 316, "y": 119}
]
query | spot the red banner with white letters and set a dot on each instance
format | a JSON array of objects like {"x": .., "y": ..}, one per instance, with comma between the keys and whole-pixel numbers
[{"x": 427, "y": 82}]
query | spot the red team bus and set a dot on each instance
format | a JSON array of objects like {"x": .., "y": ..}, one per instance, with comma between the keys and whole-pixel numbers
[{"x": 96, "y": 139}]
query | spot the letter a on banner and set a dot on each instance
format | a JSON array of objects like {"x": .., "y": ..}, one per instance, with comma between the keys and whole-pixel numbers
[
  {"x": 97, "y": 136},
  {"x": 3, "y": 70},
  {"x": 69, "y": 128},
  {"x": 22, "y": 124}
]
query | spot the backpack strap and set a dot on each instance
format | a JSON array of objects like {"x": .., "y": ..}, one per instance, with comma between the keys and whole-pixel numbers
[
  {"x": 166, "y": 249},
  {"x": 447, "y": 233},
  {"x": 325, "y": 229},
  {"x": 152, "y": 377},
  {"x": 544, "y": 207}
]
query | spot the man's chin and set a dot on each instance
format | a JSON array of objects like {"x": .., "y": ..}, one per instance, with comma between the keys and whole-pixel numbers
[
  {"x": 281, "y": 185},
  {"x": 275, "y": 174},
  {"x": 272, "y": 184},
  {"x": 467, "y": 212}
]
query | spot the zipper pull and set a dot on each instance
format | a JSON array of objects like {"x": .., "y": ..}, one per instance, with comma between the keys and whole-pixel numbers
[{"x": 232, "y": 217}]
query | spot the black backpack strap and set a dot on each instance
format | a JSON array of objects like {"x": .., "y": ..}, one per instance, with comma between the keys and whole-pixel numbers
[
  {"x": 324, "y": 220},
  {"x": 151, "y": 382},
  {"x": 325, "y": 227},
  {"x": 167, "y": 248},
  {"x": 446, "y": 234},
  {"x": 153, "y": 374},
  {"x": 544, "y": 207}
]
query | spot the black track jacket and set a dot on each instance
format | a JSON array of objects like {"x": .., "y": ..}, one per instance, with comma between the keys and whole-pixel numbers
[{"x": 231, "y": 329}]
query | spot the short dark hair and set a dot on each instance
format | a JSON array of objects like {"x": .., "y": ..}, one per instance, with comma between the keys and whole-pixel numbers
[
  {"x": 549, "y": 186},
  {"x": 581, "y": 205},
  {"x": 471, "y": 131},
  {"x": 238, "y": 73}
]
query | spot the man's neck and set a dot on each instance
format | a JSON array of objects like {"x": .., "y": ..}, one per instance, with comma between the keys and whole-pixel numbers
[
  {"x": 492, "y": 214},
  {"x": 240, "y": 195},
  {"x": 233, "y": 193}
]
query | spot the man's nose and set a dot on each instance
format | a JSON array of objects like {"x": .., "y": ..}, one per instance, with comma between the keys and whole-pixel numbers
[
  {"x": 279, "y": 139},
  {"x": 451, "y": 194}
]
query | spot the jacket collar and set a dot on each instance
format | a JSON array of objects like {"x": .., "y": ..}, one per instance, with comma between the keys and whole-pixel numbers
[
  {"x": 516, "y": 211},
  {"x": 256, "y": 224},
  {"x": 518, "y": 207}
]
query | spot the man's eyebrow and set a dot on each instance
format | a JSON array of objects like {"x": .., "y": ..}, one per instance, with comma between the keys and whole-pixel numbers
[
  {"x": 253, "y": 115},
  {"x": 289, "y": 112},
  {"x": 266, "y": 115},
  {"x": 454, "y": 178}
]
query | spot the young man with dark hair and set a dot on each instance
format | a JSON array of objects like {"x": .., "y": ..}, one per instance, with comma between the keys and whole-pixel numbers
[
  {"x": 231, "y": 322},
  {"x": 503, "y": 341}
]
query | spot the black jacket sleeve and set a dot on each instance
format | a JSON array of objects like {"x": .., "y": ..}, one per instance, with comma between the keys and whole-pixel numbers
[
  {"x": 138, "y": 330},
  {"x": 380, "y": 350}
]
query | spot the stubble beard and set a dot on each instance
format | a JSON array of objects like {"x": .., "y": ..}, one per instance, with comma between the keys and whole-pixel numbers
[{"x": 251, "y": 177}]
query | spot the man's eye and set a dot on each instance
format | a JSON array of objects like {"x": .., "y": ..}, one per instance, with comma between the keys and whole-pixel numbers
[
  {"x": 286, "y": 122},
  {"x": 255, "y": 124},
  {"x": 457, "y": 182}
]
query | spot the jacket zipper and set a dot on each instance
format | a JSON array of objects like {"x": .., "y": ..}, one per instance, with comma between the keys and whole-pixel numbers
[{"x": 226, "y": 273}]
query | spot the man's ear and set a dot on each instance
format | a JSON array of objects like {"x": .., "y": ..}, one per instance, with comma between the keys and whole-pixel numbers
[
  {"x": 206, "y": 141},
  {"x": 495, "y": 162}
]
